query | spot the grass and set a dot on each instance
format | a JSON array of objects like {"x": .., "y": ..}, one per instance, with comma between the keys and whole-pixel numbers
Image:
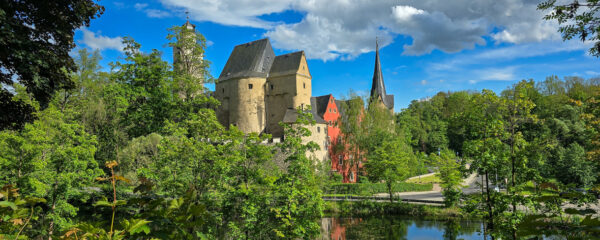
[
  {"x": 368, "y": 208},
  {"x": 426, "y": 180},
  {"x": 367, "y": 189}
]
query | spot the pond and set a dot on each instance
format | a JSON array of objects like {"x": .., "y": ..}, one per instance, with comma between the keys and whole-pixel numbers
[{"x": 398, "y": 227}]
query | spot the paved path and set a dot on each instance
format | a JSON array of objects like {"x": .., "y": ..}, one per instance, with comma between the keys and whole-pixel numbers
[{"x": 436, "y": 193}]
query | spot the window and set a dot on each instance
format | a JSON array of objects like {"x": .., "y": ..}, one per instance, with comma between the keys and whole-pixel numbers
[
  {"x": 318, "y": 129},
  {"x": 250, "y": 86},
  {"x": 330, "y": 110},
  {"x": 334, "y": 110},
  {"x": 304, "y": 85},
  {"x": 271, "y": 86},
  {"x": 340, "y": 160},
  {"x": 351, "y": 177},
  {"x": 223, "y": 90}
]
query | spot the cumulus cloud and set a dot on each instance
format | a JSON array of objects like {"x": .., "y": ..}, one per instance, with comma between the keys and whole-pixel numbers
[
  {"x": 333, "y": 29},
  {"x": 97, "y": 41}
]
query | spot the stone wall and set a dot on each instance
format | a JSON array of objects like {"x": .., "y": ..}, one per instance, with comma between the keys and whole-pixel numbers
[{"x": 242, "y": 103}]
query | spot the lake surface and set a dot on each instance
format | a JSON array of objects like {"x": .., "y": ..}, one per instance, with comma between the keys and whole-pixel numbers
[{"x": 398, "y": 227}]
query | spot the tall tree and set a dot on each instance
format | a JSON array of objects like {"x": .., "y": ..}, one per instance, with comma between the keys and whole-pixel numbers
[
  {"x": 389, "y": 161},
  {"x": 36, "y": 38}
]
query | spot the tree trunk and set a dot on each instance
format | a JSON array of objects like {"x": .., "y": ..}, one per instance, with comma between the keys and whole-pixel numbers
[
  {"x": 489, "y": 203},
  {"x": 389, "y": 185}
]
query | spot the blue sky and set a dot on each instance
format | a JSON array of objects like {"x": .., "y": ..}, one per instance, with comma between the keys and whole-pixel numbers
[{"x": 426, "y": 46}]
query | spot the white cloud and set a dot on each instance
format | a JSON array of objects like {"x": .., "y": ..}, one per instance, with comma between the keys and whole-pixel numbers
[
  {"x": 93, "y": 41},
  {"x": 140, "y": 6},
  {"x": 152, "y": 13},
  {"x": 592, "y": 73},
  {"x": 333, "y": 29},
  {"x": 155, "y": 13},
  {"x": 496, "y": 74}
]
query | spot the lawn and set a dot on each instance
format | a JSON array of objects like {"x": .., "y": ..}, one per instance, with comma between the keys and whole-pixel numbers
[{"x": 426, "y": 180}]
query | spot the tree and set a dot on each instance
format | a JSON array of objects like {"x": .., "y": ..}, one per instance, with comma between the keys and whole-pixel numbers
[
  {"x": 485, "y": 131},
  {"x": 49, "y": 159},
  {"x": 578, "y": 18},
  {"x": 36, "y": 38},
  {"x": 189, "y": 65},
  {"x": 451, "y": 177},
  {"x": 295, "y": 194},
  {"x": 518, "y": 113},
  {"x": 389, "y": 162}
]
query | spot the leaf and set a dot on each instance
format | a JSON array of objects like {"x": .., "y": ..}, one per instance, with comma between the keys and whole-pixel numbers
[
  {"x": 71, "y": 232},
  {"x": 121, "y": 178},
  {"x": 120, "y": 202},
  {"x": 11, "y": 205},
  {"x": 103, "y": 203},
  {"x": 138, "y": 225},
  {"x": 17, "y": 221},
  {"x": 111, "y": 164}
]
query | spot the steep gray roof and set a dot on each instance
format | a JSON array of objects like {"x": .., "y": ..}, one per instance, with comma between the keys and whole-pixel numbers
[
  {"x": 286, "y": 63},
  {"x": 253, "y": 59},
  {"x": 340, "y": 107},
  {"x": 378, "y": 87},
  {"x": 319, "y": 104},
  {"x": 291, "y": 115}
]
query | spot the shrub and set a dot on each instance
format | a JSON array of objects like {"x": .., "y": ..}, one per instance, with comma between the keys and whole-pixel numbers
[{"x": 372, "y": 188}]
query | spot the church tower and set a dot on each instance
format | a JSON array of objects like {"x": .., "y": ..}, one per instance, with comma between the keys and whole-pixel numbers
[
  {"x": 188, "y": 54},
  {"x": 378, "y": 94}
]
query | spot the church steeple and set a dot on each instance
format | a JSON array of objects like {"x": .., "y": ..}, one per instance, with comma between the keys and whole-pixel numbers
[{"x": 378, "y": 87}]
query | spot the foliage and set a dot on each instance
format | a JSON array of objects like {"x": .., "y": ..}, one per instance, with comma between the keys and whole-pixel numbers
[
  {"x": 389, "y": 162},
  {"x": 451, "y": 178},
  {"x": 365, "y": 189},
  {"x": 38, "y": 56},
  {"x": 577, "y": 19}
]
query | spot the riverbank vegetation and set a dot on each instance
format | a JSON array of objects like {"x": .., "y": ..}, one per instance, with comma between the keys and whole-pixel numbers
[{"x": 136, "y": 152}]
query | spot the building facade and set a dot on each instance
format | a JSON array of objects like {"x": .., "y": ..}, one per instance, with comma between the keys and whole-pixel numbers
[{"x": 258, "y": 90}]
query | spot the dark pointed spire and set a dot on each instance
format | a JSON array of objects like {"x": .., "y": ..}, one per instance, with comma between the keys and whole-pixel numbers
[{"x": 378, "y": 87}]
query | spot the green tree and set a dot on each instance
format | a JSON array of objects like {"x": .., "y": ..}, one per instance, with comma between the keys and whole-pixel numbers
[
  {"x": 449, "y": 170},
  {"x": 485, "y": 126},
  {"x": 389, "y": 162},
  {"x": 38, "y": 56},
  {"x": 296, "y": 198},
  {"x": 578, "y": 18},
  {"x": 190, "y": 67},
  {"x": 50, "y": 159}
]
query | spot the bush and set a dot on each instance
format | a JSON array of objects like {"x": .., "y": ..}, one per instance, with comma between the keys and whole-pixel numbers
[{"x": 364, "y": 189}]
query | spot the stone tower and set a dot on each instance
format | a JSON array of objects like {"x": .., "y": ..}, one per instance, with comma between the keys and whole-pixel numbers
[
  {"x": 378, "y": 94},
  {"x": 288, "y": 87},
  {"x": 241, "y": 86},
  {"x": 184, "y": 59}
]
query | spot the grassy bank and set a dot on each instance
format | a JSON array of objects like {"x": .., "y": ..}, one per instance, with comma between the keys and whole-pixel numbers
[
  {"x": 368, "y": 208},
  {"x": 368, "y": 189}
]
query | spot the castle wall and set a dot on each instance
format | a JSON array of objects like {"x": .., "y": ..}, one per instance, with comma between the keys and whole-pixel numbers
[
  {"x": 285, "y": 91},
  {"x": 242, "y": 103},
  {"x": 318, "y": 136}
]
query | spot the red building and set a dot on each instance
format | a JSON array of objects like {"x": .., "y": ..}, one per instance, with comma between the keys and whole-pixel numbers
[
  {"x": 340, "y": 153},
  {"x": 345, "y": 158}
]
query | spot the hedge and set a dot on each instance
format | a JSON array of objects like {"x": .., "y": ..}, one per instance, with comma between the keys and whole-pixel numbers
[{"x": 366, "y": 189}]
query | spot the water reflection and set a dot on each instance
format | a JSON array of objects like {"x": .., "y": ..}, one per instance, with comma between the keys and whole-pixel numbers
[{"x": 339, "y": 228}]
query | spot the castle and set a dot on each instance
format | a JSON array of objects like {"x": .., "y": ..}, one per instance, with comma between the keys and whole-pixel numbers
[{"x": 258, "y": 90}]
